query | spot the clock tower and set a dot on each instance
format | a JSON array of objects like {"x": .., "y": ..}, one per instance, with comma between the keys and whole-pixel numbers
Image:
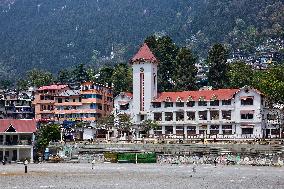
[{"x": 144, "y": 65}]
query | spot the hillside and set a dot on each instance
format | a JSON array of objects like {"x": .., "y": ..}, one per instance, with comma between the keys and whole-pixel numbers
[{"x": 57, "y": 34}]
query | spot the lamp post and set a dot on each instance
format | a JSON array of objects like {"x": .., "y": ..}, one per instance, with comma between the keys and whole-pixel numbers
[{"x": 26, "y": 166}]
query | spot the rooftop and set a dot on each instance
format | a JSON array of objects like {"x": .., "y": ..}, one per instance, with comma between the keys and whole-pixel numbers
[
  {"x": 220, "y": 94},
  {"x": 70, "y": 93},
  {"x": 26, "y": 126},
  {"x": 144, "y": 54},
  {"x": 52, "y": 87}
]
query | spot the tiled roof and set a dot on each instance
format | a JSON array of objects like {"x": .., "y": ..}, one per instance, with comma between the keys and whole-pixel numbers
[
  {"x": 52, "y": 87},
  {"x": 28, "y": 126},
  {"x": 144, "y": 54},
  {"x": 220, "y": 94},
  {"x": 70, "y": 93}
]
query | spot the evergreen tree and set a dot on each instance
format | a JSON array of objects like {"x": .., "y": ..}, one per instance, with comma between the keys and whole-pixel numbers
[
  {"x": 185, "y": 71},
  {"x": 6, "y": 84},
  {"x": 122, "y": 79},
  {"x": 218, "y": 67},
  {"x": 64, "y": 76},
  {"x": 240, "y": 74},
  {"x": 105, "y": 75},
  {"x": 80, "y": 74},
  {"x": 39, "y": 78},
  {"x": 165, "y": 51}
]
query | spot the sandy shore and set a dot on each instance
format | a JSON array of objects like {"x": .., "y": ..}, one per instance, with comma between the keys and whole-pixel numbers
[{"x": 63, "y": 175}]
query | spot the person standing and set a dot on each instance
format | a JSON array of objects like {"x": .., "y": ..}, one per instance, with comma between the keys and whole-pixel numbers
[
  {"x": 194, "y": 167},
  {"x": 93, "y": 163}
]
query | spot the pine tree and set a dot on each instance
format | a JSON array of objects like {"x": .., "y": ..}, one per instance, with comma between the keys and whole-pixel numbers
[
  {"x": 165, "y": 51},
  {"x": 185, "y": 71},
  {"x": 218, "y": 67}
]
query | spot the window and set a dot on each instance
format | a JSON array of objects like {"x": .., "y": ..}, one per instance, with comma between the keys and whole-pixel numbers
[
  {"x": 179, "y": 104},
  {"x": 202, "y": 103},
  {"x": 214, "y": 129},
  {"x": 202, "y": 115},
  {"x": 74, "y": 100},
  {"x": 179, "y": 130},
  {"x": 191, "y": 130},
  {"x": 226, "y": 114},
  {"x": 247, "y": 101},
  {"x": 203, "y": 130},
  {"x": 275, "y": 132},
  {"x": 86, "y": 96},
  {"x": 158, "y": 116},
  {"x": 246, "y": 115},
  {"x": 100, "y": 107},
  {"x": 214, "y": 103},
  {"x": 247, "y": 131},
  {"x": 168, "y": 130},
  {"x": 60, "y": 100},
  {"x": 227, "y": 129},
  {"x": 214, "y": 115},
  {"x": 142, "y": 117},
  {"x": 180, "y": 116},
  {"x": 168, "y": 116},
  {"x": 190, "y": 116},
  {"x": 124, "y": 106},
  {"x": 93, "y": 106},
  {"x": 190, "y": 104},
  {"x": 66, "y": 99},
  {"x": 98, "y": 96},
  {"x": 156, "y": 104},
  {"x": 168, "y": 104},
  {"x": 158, "y": 131},
  {"x": 226, "y": 102}
]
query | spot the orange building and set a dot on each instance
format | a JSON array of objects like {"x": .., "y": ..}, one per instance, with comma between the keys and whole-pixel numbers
[
  {"x": 60, "y": 103},
  {"x": 87, "y": 104},
  {"x": 44, "y": 101}
]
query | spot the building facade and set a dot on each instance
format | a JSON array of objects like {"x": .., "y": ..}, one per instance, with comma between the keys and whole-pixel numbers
[
  {"x": 44, "y": 101},
  {"x": 60, "y": 103},
  {"x": 17, "y": 105},
  {"x": 89, "y": 103},
  {"x": 224, "y": 113},
  {"x": 17, "y": 139}
]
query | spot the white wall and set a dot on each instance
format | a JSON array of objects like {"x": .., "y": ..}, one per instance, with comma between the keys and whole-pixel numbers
[{"x": 150, "y": 90}]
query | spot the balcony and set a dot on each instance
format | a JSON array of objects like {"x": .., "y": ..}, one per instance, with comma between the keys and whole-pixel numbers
[
  {"x": 68, "y": 104},
  {"x": 20, "y": 142},
  {"x": 91, "y": 100}
]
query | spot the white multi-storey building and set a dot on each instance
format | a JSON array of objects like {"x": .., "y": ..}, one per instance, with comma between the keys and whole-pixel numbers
[{"x": 207, "y": 113}]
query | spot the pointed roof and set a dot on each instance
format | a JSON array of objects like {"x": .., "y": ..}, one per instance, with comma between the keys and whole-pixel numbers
[
  {"x": 20, "y": 125},
  {"x": 144, "y": 55}
]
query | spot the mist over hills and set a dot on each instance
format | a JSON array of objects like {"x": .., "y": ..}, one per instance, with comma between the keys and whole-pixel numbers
[{"x": 57, "y": 34}]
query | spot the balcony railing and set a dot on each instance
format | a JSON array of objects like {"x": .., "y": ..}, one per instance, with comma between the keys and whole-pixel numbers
[{"x": 21, "y": 142}]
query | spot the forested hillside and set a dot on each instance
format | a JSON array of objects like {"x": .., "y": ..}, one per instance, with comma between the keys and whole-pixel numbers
[{"x": 58, "y": 34}]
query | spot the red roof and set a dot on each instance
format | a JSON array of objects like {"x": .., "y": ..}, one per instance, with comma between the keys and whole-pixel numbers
[
  {"x": 144, "y": 54},
  {"x": 220, "y": 94},
  {"x": 27, "y": 126},
  {"x": 52, "y": 87}
]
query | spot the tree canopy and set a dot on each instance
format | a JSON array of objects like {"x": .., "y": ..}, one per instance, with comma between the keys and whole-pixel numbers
[{"x": 218, "y": 67}]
